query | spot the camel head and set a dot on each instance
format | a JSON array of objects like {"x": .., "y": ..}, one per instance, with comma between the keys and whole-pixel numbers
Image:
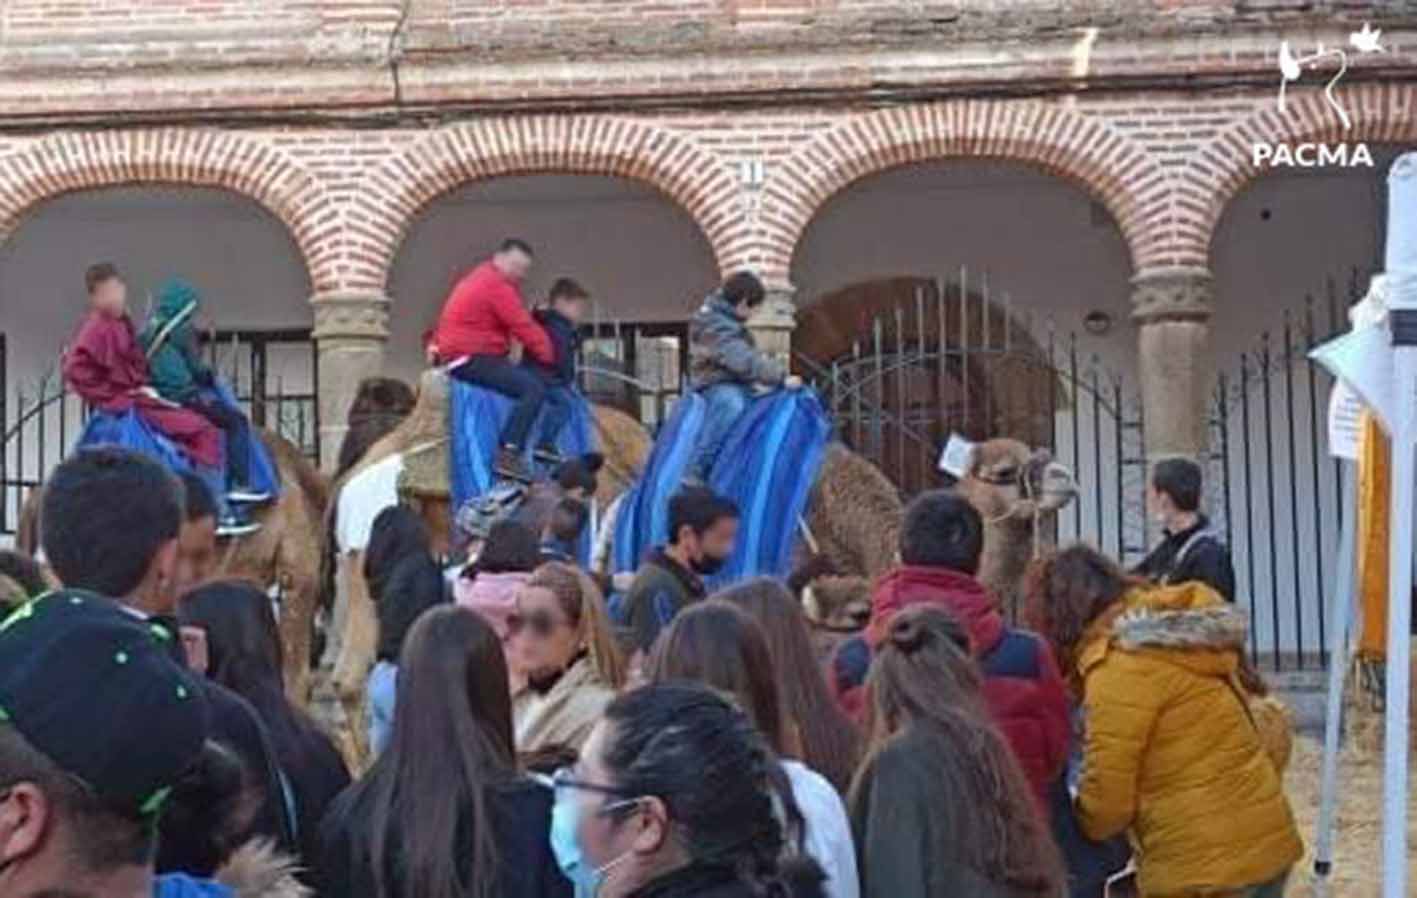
[{"x": 1007, "y": 481}]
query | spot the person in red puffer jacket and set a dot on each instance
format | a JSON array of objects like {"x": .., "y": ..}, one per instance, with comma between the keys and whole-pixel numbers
[
  {"x": 941, "y": 540},
  {"x": 482, "y": 316}
]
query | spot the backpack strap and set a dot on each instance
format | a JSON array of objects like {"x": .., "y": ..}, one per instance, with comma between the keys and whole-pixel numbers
[{"x": 1190, "y": 543}]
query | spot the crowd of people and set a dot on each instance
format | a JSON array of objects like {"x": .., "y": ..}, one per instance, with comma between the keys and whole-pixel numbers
[{"x": 527, "y": 744}]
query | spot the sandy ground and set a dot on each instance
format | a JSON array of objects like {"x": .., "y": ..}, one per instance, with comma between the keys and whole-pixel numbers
[{"x": 1357, "y": 862}]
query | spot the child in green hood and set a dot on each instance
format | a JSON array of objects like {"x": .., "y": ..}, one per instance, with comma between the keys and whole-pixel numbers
[{"x": 179, "y": 375}]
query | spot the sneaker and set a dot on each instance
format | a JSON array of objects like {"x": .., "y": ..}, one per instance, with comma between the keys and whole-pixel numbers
[
  {"x": 244, "y": 495},
  {"x": 511, "y": 465},
  {"x": 231, "y": 525},
  {"x": 547, "y": 455}
]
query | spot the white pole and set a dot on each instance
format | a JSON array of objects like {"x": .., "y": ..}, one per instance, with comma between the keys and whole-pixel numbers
[
  {"x": 1399, "y": 619},
  {"x": 1337, "y": 671},
  {"x": 1401, "y": 265}
]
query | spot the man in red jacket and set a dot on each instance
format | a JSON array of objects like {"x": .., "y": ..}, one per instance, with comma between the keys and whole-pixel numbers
[
  {"x": 941, "y": 540},
  {"x": 481, "y": 317}
]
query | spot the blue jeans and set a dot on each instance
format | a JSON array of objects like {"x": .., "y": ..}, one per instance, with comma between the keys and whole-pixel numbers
[
  {"x": 528, "y": 390},
  {"x": 555, "y": 412},
  {"x": 379, "y": 692},
  {"x": 238, "y": 437},
  {"x": 726, "y": 402}
]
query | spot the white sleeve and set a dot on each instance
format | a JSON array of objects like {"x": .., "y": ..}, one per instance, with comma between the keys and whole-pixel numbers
[
  {"x": 361, "y": 499},
  {"x": 828, "y": 831}
]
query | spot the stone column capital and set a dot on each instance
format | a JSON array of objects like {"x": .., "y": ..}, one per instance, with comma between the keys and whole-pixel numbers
[
  {"x": 1176, "y": 293},
  {"x": 351, "y": 315},
  {"x": 773, "y": 322},
  {"x": 779, "y": 309}
]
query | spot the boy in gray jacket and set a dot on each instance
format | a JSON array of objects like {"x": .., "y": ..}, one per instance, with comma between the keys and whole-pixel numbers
[{"x": 725, "y": 363}]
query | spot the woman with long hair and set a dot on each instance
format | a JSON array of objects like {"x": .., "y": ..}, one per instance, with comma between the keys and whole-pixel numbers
[
  {"x": 444, "y": 812},
  {"x": 561, "y": 638},
  {"x": 717, "y": 644},
  {"x": 244, "y": 655},
  {"x": 415, "y": 585},
  {"x": 941, "y": 808},
  {"x": 1171, "y": 751},
  {"x": 672, "y": 798},
  {"x": 818, "y": 733}
]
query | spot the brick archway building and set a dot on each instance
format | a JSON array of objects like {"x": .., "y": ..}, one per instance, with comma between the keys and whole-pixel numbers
[{"x": 748, "y": 116}]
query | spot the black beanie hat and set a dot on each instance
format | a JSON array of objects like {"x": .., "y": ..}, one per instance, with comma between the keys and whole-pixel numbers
[{"x": 96, "y": 690}]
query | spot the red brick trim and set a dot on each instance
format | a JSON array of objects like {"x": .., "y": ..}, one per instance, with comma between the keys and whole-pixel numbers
[
  {"x": 72, "y": 161},
  {"x": 1114, "y": 168},
  {"x": 388, "y": 201},
  {"x": 1380, "y": 113}
]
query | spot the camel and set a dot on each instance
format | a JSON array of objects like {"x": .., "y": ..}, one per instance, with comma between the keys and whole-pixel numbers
[
  {"x": 285, "y": 552},
  {"x": 1017, "y": 491},
  {"x": 853, "y": 514}
]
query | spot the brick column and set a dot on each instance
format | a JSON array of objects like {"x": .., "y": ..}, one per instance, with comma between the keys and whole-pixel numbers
[
  {"x": 774, "y": 321},
  {"x": 1172, "y": 307},
  {"x": 351, "y": 329}
]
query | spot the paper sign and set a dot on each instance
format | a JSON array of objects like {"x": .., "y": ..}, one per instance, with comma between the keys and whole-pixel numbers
[
  {"x": 956, "y": 457},
  {"x": 1345, "y": 419},
  {"x": 1363, "y": 360}
]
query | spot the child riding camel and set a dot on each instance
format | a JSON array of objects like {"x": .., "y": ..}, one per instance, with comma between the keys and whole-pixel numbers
[
  {"x": 482, "y": 315},
  {"x": 179, "y": 375},
  {"x": 106, "y": 367},
  {"x": 725, "y": 364},
  {"x": 565, "y": 308}
]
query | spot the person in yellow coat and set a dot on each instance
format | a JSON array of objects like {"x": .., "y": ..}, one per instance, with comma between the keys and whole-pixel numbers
[{"x": 1171, "y": 752}]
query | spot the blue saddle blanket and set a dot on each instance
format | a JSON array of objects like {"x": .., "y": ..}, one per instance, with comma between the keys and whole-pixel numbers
[
  {"x": 767, "y": 465},
  {"x": 476, "y": 417},
  {"x": 131, "y": 431}
]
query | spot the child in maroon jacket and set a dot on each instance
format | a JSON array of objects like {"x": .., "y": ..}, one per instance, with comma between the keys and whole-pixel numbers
[{"x": 107, "y": 368}]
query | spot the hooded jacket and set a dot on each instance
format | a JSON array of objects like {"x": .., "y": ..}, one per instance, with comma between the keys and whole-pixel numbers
[
  {"x": 174, "y": 364},
  {"x": 1171, "y": 751},
  {"x": 722, "y": 349},
  {"x": 1022, "y": 689}
]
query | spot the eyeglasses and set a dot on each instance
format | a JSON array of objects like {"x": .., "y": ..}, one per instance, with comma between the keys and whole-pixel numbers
[
  {"x": 539, "y": 623},
  {"x": 565, "y": 778}
]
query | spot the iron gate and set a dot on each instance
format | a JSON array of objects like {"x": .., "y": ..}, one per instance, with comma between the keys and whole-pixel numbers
[
  {"x": 273, "y": 373},
  {"x": 952, "y": 360},
  {"x": 1272, "y": 487}
]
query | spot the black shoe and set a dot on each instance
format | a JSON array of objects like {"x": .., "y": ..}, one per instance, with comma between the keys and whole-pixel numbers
[
  {"x": 511, "y": 465},
  {"x": 547, "y": 455}
]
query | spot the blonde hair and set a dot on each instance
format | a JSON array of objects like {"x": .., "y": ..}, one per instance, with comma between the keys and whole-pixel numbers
[{"x": 583, "y": 605}]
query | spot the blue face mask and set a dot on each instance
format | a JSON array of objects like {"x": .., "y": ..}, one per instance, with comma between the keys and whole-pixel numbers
[{"x": 565, "y": 844}]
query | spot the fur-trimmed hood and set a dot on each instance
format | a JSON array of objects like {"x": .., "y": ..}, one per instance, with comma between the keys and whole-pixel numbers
[
  {"x": 257, "y": 870},
  {"x": 1188, "y": 624}
]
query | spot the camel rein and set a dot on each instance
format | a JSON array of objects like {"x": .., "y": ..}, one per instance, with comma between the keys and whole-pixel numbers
[{"x": 1025, "y": 484}]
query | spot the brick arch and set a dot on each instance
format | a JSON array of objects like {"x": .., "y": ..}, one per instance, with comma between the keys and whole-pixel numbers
[
  {"x": 71, "y": 162},
  {"x": 394, "y": 195},
  {"x": 1112, "y": 167},
  {"x": 1380, "y": 113}
]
